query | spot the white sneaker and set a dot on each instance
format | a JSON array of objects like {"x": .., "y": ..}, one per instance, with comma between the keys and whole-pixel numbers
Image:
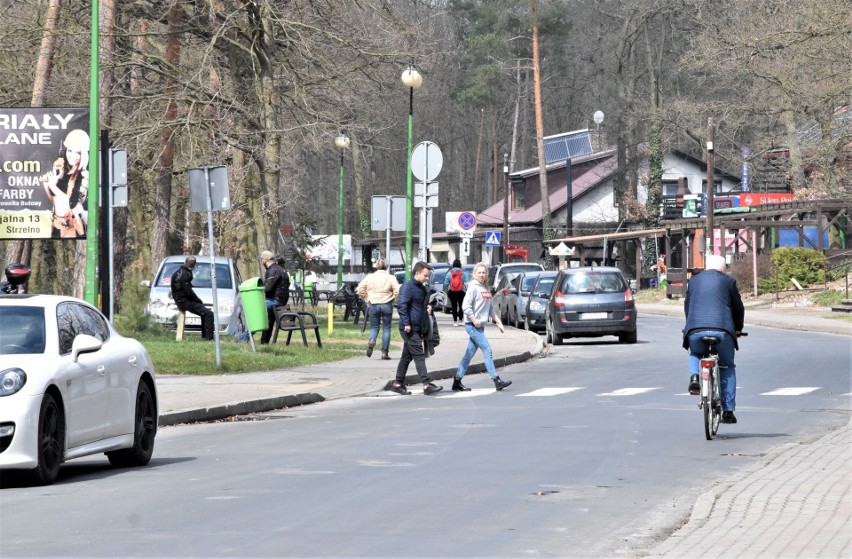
[{"x": 455, "y": 323}]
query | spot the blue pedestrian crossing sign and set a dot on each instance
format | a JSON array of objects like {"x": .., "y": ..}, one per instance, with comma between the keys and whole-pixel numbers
[{"x": 492, "y": 238}]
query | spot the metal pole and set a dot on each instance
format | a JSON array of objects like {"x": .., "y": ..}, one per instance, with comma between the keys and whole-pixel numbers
[
  {"x": 388, "y": 230},
  {"x": 212, "y": 265},
  {"x": 340, "y": 227},
  {"x": 111, "y": 266},
  {"x": 91, "y": 288},
  {"x": 711, "y": 134},
  {"x": 408, "y": 192}
]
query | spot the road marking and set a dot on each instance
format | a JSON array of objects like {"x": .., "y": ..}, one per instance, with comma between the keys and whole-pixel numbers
[
  {"x": 470, "y": 394},
  {"x": 550, "y": 391},
  {"x": 791, "y": 391},
  {"x": 628, "y": 391}
]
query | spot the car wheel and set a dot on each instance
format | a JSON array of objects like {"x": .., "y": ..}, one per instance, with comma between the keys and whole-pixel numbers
[
  {"x": 51, "y": 441},
  {"x": 627, "y": 337},
  {"x": 144, "y": 432},
  {"x": 555, "y": 339}
]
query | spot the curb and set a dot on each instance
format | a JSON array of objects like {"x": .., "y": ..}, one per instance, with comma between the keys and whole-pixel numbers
[{"x": 238, "y": 408}]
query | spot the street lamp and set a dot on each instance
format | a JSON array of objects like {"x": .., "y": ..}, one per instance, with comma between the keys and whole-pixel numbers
[
  {"x": 411, "y": 79},
  {"x": 342, "y": 142}
]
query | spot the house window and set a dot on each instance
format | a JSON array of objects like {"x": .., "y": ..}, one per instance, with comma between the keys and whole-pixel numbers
[
  {"x": 518, "y": 202},
  {"x": 717, "y": 186},
  {"x": 669, "y": 189}
]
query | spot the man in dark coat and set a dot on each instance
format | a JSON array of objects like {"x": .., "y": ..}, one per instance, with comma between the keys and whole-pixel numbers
[
  {"x": 713, "y": 307},
  {"x": 186, "y": 299},
  {"x": 276, "y": 286},
  {"x": 414, "y": 313}
]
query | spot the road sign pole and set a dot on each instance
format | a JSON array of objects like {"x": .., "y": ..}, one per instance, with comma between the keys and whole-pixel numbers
[{"x": 388, "y": 230}]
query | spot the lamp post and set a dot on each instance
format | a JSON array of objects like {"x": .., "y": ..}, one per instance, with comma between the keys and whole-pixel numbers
[
  {"x": 342, "y": 142},
  {"x": 411, "y": 79}
]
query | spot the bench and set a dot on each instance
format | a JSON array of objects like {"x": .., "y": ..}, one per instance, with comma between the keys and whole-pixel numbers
[{"x": 291, "y": 321}]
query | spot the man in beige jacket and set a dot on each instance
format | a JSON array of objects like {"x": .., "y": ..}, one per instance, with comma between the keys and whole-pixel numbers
[{"x": 380, "y": 289}]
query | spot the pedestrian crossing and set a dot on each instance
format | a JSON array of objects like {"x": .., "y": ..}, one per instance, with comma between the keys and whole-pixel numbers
[{"x": 619, "y": 393}]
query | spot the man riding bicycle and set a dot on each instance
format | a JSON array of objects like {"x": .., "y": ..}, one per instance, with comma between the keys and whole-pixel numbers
[{"x": 713, "y": 307}]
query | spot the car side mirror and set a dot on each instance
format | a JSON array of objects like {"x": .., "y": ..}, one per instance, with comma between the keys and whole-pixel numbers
[{"x": 84, "y": 343}]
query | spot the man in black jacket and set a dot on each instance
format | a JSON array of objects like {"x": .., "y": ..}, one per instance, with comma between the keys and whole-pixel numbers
[
  {"x": 414, "y": 310},
  {"x": 276, "y": 286},
  {"x": 713, "y": 307},
  {"x": 186, "y": 299}
]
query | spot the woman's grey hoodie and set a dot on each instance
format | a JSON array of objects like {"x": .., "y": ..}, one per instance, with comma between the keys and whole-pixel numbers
[{"x": 477, "y": 303}]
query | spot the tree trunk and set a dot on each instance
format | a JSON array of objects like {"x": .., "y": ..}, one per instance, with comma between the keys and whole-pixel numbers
[{"x": 166, "y": 158}]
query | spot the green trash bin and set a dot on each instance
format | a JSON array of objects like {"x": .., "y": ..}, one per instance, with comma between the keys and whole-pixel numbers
[{"x": 254, "y": 304}]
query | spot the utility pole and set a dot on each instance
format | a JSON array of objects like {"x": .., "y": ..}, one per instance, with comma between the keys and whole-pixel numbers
[
  {"x": 505, "y": 205},
  {"x": 708, "y": 235}
]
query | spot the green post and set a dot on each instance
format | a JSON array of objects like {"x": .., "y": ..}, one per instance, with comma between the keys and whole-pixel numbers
[
  {"x": 409, "y": 195},
  {"x": 340, "y": 227},
  {"x": 91, "y": 292}
]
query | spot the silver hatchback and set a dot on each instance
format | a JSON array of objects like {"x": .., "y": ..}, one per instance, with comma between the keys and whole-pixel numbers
[{"x": 162, "y": 307}]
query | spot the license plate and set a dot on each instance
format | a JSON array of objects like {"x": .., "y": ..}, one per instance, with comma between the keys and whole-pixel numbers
[
  {"x": 192, "y": 321},
  {"x": 593, "y": 315}
]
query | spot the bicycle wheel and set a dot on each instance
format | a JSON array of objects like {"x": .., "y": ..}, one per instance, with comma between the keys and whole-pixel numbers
[{"x": 709, "y": 431}]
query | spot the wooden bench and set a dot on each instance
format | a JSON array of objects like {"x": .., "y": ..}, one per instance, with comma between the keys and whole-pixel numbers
[{"x": 291, "y": 321}]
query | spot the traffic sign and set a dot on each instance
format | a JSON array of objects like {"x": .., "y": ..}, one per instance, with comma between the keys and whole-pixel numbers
[
  {"x": 492, "y": 238},
  {"x": 426, "y": 161},
  {"x": 467, "y": 221},
  {"x": 466, "y": 234}
]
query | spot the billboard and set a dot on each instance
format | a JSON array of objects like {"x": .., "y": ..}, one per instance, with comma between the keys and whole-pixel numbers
[{"x": 44, "y": 173}]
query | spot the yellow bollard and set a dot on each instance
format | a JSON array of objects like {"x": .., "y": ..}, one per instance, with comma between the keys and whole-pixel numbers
[{"x": 330, "y": 318}]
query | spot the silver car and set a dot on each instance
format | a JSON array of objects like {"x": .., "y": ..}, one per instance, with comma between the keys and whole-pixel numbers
[{"x": 162, "y": 307}]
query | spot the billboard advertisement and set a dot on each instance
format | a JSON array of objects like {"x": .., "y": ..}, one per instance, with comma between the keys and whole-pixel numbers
[{"x": 44, "y": 173}]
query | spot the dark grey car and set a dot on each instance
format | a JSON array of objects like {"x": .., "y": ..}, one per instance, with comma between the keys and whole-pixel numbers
[
  {"x": 591, "y": 302},
  {"x": 537, "y": 301}
]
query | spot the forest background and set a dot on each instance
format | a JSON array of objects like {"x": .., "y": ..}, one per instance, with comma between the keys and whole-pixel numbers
[{"x": 265, "y": 86}]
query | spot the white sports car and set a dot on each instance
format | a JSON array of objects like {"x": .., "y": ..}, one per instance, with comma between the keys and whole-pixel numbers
[{"x": 70, "y": 386}]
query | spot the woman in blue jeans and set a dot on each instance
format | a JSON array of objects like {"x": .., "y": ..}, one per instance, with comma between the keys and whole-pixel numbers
[{"x": 477, "y": 308}]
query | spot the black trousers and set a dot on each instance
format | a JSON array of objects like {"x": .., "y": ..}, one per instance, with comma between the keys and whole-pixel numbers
[
  {"x": 456, "y": 300},
  {"x": 206, "y": 318},
  {"x": 412, "y": 350}
]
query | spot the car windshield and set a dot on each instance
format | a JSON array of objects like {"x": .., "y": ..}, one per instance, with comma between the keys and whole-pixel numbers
[
  {"x": 518, "y": 269},
  {"x": 544, "y": 285},
  {"x": 594, "y": 282},
  {"x": 22, "y": 330},
  {"x": 529, "y": 282},
  {"x": 438, "y": 276},
  {"x": 200, "y": 275}
]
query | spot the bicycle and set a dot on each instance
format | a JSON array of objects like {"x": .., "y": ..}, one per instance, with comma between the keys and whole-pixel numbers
[{"x": 711, "y": 390}]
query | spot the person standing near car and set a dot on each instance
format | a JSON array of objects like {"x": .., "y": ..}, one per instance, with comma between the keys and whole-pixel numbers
[
  {"x": 380, "y": 290},
  {"x": 713, "y": 307},
  {"x": 414, "y": 311},
  {"x": 455, "y": 284},
  {"x": 276, "y": 286},
  {"x": 186, "y": 299},
  {"x": 477, "y": 308}
]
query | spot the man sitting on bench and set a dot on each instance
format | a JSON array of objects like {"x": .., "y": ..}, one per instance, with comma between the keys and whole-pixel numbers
[{"x": 186, "y": 299}]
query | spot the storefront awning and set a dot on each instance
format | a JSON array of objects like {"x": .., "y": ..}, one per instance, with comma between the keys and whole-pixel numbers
[{"x": 440, "y": 246}]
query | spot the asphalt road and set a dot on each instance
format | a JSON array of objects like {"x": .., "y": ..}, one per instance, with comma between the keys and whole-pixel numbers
[{"x": 595, "y": 450}]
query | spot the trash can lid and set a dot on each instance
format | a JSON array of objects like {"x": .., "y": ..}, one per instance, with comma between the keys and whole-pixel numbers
[{"x": 251, "y": 284}]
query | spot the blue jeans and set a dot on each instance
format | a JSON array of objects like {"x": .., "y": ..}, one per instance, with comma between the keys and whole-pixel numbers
[
  {"x": 727, "y": 369},
  {"x": 381, "y": 312},
  {"x": 477, "y": 341}
]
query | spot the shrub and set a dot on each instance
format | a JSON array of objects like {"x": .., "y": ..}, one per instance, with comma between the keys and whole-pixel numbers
[{"x": 806, "y": 265}]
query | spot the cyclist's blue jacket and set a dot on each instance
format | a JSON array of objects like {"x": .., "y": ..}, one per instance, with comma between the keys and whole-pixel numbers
[{"x": 713, "y": 303}]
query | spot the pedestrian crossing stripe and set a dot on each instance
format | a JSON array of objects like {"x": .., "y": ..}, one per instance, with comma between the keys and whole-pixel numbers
[
  {"x": 628, "y": 391},
  {"x": 791, "y": 391},
  {"x": 469, "y": 394},
  {"x": 550, "y": 391}
]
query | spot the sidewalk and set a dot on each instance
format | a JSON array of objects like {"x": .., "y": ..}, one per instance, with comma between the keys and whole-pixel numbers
[{"x": 796, "y": 502}]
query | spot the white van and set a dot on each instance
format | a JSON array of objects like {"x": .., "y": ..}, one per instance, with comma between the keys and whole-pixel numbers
[{"x": 162, "y": 307}]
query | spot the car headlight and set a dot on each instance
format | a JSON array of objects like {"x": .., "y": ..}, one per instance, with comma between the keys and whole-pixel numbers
[
  {"x": 536, "y": 306},
  {"x": 11, "y": 381}
]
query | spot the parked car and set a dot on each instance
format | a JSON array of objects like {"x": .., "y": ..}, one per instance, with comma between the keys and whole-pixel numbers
[
  {"x": 436, "y": 283},
  {"x": 500, "y": 299},
  {"x": 517, "y": 302},
  {"x": 71, "y": 386},
  {"x": 162, "y": 307},
  {"x": 496, "y": 273},
  {"x": 591, "y": 302},
  {"x": 537, "y": 301}
]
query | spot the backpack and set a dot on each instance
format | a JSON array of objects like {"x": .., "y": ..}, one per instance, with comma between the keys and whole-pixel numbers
[{"x": 457, "y": 280}]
